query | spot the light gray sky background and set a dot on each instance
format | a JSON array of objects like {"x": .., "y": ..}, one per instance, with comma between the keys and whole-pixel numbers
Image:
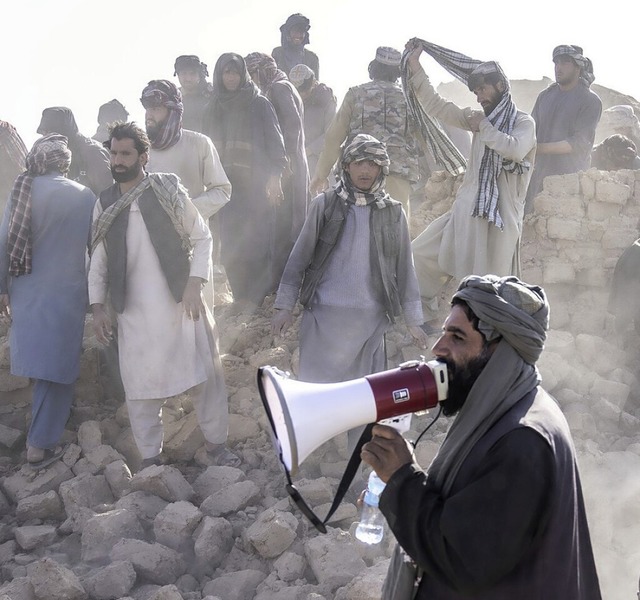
[{"x": 82, "y": 53}]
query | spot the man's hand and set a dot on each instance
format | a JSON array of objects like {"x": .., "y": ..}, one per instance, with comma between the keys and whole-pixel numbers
[
  {"x": 274, "y": 190},
  {"x": 281, "y": 321},
  {"x": 474, "y": 118},
  {"x": 413, "y": 58},
  {"x": 102, "y": 327},
  {"x": 192, "y": 298},
  {"x": 420, "y": 337},
  {"x": 5, "y": 309},
  {"x": 386, "y": 452}
]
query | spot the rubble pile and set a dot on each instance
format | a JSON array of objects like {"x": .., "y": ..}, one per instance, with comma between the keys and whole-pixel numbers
[{"x": 94, "y": 526}]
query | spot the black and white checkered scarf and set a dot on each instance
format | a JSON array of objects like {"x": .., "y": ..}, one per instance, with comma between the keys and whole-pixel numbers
[{"x": 503, "y": 117}]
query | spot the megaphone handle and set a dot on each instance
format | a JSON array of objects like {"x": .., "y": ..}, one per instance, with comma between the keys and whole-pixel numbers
[
  {"x": 350, "y": 471},
  {"x": 343, "y": 486}
]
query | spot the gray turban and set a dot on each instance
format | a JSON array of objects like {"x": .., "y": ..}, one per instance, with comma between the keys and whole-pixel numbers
[{"x": 509, "y": 308}]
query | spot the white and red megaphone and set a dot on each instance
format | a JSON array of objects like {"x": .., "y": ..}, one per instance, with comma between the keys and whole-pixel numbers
[{"x": 305, "y": 415}]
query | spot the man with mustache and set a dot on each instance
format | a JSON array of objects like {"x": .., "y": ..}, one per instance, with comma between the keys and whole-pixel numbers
[
  {"x": 151, "y": 255},
  {"x": 294, "y": 36},
  {"x": 189, "y": 154},
  {"x": 499, "y": 513},
  {"x": 566, "y": 115},
  {"x": 481, "y": 233}
]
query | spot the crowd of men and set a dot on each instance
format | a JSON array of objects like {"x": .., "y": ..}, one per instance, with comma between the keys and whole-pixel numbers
[{"x": 259, "y": 175}]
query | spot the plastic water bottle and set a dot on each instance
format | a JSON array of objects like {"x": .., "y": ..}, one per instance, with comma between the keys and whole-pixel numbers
[{"x": 371, "y": 527}]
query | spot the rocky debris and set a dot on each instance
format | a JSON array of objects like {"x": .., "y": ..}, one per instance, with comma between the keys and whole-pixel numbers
[
  {"x": 111, "y": 581},
  {"x": 199, "y": 532}
]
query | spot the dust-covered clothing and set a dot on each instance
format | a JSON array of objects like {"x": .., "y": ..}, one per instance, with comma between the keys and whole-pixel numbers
[
  {"x": 161, "y": 352},
  {"x": 458, "y": 244},
  {"x": 571, "y": 116},
  {"x": 348, "y": 309},
  {"x": 377, "y": 108},
  {"x": 13, "y": 153},
  {"x": 319, "y": 111},
  {"x": 49, "y": 304}
]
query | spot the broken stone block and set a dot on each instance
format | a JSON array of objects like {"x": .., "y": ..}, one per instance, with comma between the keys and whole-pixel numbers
[
  {"x": 10, "y": 383},
  {"x": 232, "y": 499},
  {"x": 333, "y": 558},
  {"x": 26, "y": 482},
  {"x": 367, "y": 585},
  {"x": 40, "y": 506},
  {"x": 214, "y": 479},
  {"x": 290, "y": 566},
  {"x": 316, "y": 491},
  {"x": 85, "y": 490},
  {"x": 145, "y": 506},
  {"x": 103, "y": 455},
  {"x": 182, "y": 438},
  {"x": 76, "y": 522},
  {"x": 111, "y": 581},
  {"x": 154, "y": 562},
  {"x": 51, "y": 581},
  {"x": 118, "y": 476},
  {"x": 9, "y": 437},
  {"x": 167, "y": 592},
  {"x": 104, "y": 530},
  {"x": 30, "y": 537},
  {"x": 20, "y": 588},
  {"x": 613, "y": 391},
  {"x": 7, "y": 551},
  {"x": 240, "y": 585},
  {"x": 164, "y": 481},
  {"x": 213, "y": 539},
  {"x": 242, "y": 428},
  {"x": 272, "y": 532},
  {"x": 175, "y": 524},
  {"x": 89, "y": 435}
]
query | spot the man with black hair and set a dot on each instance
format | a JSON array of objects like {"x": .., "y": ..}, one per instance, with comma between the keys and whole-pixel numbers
[
  {"x": 196, "y": 91},
  {"x": 89, "y": 160},
  {"x": 566, "y": 115},
  {"x": 481, "y": 233},
  {"x": 377, "y": 108},
  {"x": 151, "y": 255},
  {"x": 294, "y": 36},
  {"x": 499, "y": 513}
]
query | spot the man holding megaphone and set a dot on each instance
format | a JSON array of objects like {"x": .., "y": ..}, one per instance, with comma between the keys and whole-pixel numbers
[{"x": 499, "y": 514}]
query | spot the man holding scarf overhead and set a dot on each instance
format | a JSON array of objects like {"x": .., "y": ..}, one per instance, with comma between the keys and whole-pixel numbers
[
  {"x": 499, "y": 513},
  {"x": 481, "y": 233}
]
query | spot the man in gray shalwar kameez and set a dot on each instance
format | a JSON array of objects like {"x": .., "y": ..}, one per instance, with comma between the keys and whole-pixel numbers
[
  {"x": 43, "y": 287},
  {"x": 353, "y": 271}
]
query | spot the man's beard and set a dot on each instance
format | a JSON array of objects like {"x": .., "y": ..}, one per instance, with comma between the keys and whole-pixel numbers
[
  {"x": 127, "y": 175},
  {"x": 461, "y": 379},
  {"x": 154, "y": 129}
]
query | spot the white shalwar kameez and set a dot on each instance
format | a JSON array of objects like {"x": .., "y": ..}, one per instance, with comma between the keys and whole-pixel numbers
[{"x": 162, "y": 352}]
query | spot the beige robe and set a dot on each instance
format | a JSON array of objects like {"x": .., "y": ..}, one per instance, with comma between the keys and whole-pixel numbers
[
  {"x": 194, "y": 159},
  {"x": 458, "y": 244}
]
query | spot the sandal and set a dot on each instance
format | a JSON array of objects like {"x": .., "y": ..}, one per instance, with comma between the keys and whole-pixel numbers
[{"x": 50, "y": 456}]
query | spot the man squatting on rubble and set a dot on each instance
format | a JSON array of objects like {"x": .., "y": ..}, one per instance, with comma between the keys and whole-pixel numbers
[
  {"x": 151, "y": 252},
  {"x": 499, "y": 513}
]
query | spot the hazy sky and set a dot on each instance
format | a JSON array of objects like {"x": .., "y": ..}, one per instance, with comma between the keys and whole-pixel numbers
[{"x": 82, "y": 53}]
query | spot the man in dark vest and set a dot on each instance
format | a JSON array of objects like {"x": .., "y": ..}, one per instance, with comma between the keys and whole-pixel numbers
[
  {"x": 499, "y": 514},
  {"x": 151, "y": 255}
]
